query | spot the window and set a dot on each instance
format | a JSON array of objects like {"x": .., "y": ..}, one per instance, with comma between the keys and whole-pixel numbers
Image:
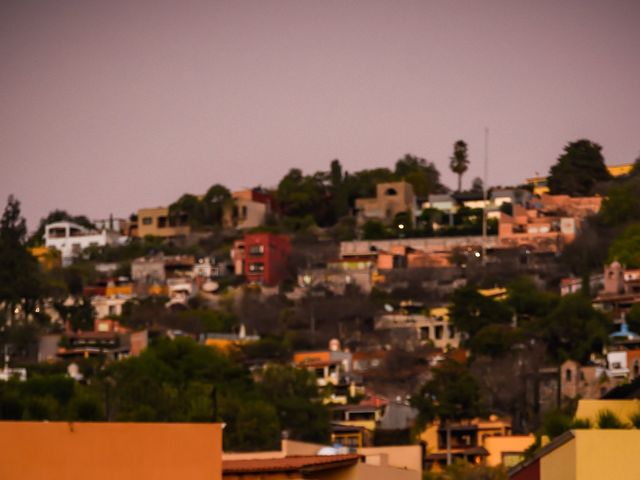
[
  {"x": 391, "y": 192},
  {"x": 112, "y": 310},
  {"x": 439, "y": 332},
  {"x": 567, "y": 375},
  {"x": 256, "y": 267},
  {"x": 147, "y": 220},
  {"x": 256, "y": 250},
  {"x": 57, "y": 232},
  {"x": 424, "y": 333}
]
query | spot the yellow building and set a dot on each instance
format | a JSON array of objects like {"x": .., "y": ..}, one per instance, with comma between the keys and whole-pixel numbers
[
  {"x": 623, "y": 409},
  {"x": 496, "y": 293},
  {"x": 619, "y": 170},
  {"x": 540, "y": 184},
  {"x": 158, "y": 223},
  {"x": 48, "y": 258},
  {"x": 590, "y": 454},
  {"x": 472, "y": 441}
]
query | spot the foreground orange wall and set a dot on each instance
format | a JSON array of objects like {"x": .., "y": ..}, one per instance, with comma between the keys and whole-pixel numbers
[{"x": 102, "y": 451}]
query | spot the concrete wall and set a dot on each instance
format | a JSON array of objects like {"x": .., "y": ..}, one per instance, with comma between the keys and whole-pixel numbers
[
  {"x": 405, "y": 457},
  {"x": 104, "y": 451},
  {"x": 496, "y": 446},
  {"x": 374, "y": 472},
  {"x": 429, "y": 245},
  {"x": 607, "y": 454}
]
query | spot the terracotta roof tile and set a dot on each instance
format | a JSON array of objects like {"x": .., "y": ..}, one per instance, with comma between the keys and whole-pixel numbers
[{"x": 288, "y": 464}]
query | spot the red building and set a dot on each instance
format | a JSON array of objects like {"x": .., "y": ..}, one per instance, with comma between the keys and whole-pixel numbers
[{"x": 263, "y": 257}]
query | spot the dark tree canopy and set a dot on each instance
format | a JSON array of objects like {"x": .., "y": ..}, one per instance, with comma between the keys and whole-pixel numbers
[
  {"x": 471, "y": 311},
  {"x": 578, "y": 170},
  {"x": 20, "y": 277},
  {"x": 574, "y": 329},
  {"x": 423, "y": 176},
  {"x": 451, "y": 394}
]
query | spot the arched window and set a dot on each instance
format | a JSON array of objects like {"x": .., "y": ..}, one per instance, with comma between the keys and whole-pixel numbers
[
  {"x": 567, "y": 375},
  {"x": 390, "y": 192}
]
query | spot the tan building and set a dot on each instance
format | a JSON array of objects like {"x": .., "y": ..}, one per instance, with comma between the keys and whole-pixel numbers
[
  {"x": 158, "y": 223},
  {"x": 391, "y": 199},
  {"x": 250, "y": 209},
  {"x": 530, "y": 227},
  {"x": 299, "y": 460},
  {"x": 584, "y": 381},
  {"x": 104, "y": 451}
]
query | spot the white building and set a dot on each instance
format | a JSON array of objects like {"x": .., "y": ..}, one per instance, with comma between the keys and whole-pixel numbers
[
  {"x": 109, "y": 306},
  {"x": 433, "y": 327},
  {"x": 70, "y": 239}
]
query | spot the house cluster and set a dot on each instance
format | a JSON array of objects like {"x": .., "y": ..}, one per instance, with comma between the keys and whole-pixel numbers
[
  {"x": 361, "y": 413},
  {"x": 166, "y": 451}
]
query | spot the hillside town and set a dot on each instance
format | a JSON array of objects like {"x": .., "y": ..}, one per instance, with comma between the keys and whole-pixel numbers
[{"x": 369, "y": 324}]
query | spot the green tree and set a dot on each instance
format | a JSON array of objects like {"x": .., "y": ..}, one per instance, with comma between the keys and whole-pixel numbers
[
  {"x": 300, "y": 195},
  {"x": 626, "y": 248},
  {"x": 574, "y": 329},
  {"x": 528, "y": 301},
  {"x": 339, "y": 193},
  {"x": 459, "y": 161},
  {"x": 452, "y": 394},
  {"x": 21, "y": 284},
  {"x": 294, "y": 393},
  {"x": 374, "y": 230},
  {"x": 620, "y": 205},
  {"x": 471, "y": 311},
  {"x": 217, "y": 198},
  {"x": 494, "y": 340},
  {"x": 80, "y": 314},
  {"x": 192, "y": 208},
  {"x": 423, "y": 176},
  {"x": 578, "y": 170}
]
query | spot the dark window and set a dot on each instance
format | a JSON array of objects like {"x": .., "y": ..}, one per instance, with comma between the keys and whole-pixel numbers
[
  {"x": 147, "y": 220},
  {"x": 567, "y": 375},
  {"x": 256, "y": 267},
  {"x": 439, "y": 332},
  {"x": 390, "y": 192}
]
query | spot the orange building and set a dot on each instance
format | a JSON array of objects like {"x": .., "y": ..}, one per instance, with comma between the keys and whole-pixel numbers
[{"x": 104, "y": 451}]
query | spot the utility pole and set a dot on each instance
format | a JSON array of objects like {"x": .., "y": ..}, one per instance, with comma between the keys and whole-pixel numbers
[
  {"x": 484, "y": 195},
  {"x": 448, "y": 433}
]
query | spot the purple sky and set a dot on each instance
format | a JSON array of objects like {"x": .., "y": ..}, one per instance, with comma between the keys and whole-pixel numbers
[{"x": 108, "y": 106}]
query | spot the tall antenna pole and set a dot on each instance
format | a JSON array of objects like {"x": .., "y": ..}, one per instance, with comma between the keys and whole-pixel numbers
[{"x": 485, "y": 186}]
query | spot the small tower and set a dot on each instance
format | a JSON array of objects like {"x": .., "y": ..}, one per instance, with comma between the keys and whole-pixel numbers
[{"x": 613, "y": 278}]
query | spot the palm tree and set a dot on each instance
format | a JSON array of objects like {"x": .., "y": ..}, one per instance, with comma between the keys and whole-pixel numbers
[{"x": 459, "y": 161}]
